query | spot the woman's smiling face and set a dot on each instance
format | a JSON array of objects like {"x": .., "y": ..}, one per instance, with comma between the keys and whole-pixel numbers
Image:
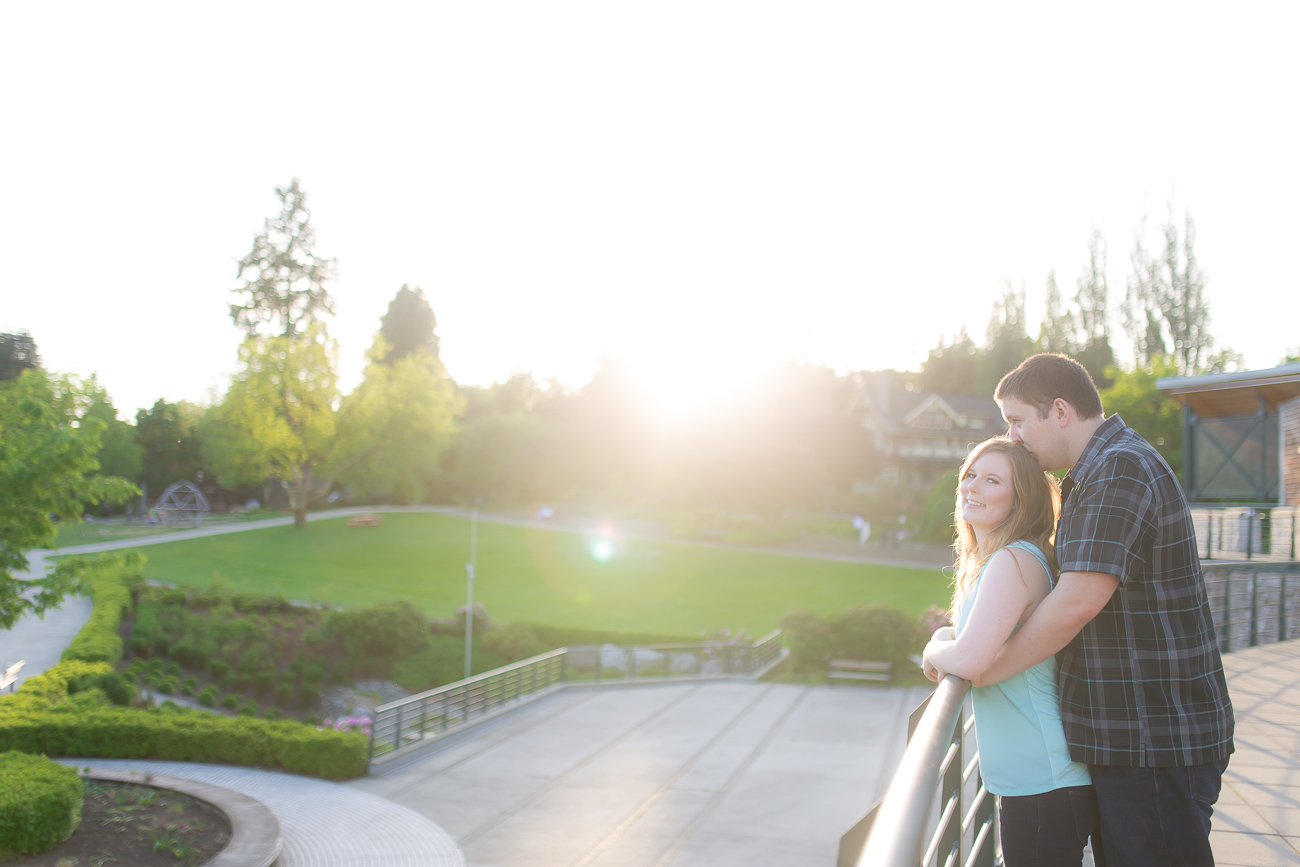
[{"x": 987, "y": 495}]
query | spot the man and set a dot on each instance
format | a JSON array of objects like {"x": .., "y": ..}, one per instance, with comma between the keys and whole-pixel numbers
[{"x": 1143, "y": 698}]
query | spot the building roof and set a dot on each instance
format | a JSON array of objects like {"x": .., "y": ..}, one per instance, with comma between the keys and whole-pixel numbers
[{"x": 1234, "y": 394}]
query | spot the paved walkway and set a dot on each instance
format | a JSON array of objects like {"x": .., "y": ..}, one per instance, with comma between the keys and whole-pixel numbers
[
  {"x": 323, "y": 824},
  {"x": 693, "y": 775},
  {"x": 1257, "y": 820}
]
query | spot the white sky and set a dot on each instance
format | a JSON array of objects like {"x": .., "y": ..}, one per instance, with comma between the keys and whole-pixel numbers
[{"x": 699, "y": 187}]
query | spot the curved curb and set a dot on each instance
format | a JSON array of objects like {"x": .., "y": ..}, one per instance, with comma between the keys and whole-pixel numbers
[{"x": 255, "y": 838}]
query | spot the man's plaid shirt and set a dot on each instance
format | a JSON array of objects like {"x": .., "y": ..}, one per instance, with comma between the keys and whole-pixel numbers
[{"x": 1142, "y": 685}]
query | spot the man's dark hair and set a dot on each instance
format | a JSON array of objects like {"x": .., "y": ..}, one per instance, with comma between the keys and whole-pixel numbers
[{"x": 1041, "y": 379}]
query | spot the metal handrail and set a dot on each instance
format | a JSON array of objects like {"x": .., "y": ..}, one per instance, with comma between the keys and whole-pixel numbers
[
  {"x": 898, "y": 832},
  {"x": 416, "y": 719}
]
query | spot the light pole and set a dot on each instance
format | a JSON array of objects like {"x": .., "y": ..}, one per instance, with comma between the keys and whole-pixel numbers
[{"x": 469, "y": 588}]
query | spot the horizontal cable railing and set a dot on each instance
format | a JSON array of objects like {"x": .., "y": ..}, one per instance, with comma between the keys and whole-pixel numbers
[{"x": 428, "y": 715}]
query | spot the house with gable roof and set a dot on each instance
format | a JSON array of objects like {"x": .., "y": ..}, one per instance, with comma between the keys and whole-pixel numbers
[{"x": 920, "y": 436}]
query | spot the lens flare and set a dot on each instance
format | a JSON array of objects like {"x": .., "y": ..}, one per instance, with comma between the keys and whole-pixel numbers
[{"x": 602, "y": 550}]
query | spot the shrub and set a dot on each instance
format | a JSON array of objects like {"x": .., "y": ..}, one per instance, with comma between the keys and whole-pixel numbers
[
  {"x": 249, "y": 708},
  {"x": 104, "y": 578},
  {"x": 168, "y": 685},
  {"x": 376, "y": 637},
  {"x": 877, "y": 633},
  {"x": 231, "y": 701},
  {"x": 115, "y": 687},
  {"x": 515, "y": 642},
  {"x": 40, "y": 803},
  {"x": 284, "y": 694},
  {"x": 208, "y": 697},
  {"x": 218, "y": 668},
  {"x": 263, "y": 679},
  {"x": 182, "y": 736}
]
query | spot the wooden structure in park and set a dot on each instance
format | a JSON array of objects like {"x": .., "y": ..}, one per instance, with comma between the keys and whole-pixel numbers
[{"x": 1241, "y": 435}]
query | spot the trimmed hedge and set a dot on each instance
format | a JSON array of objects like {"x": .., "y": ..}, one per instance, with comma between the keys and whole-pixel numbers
[
  {"x": 44, "y": 718},
  {"x": 40, "y": 803},
  {"x": 104, "y": 578}
]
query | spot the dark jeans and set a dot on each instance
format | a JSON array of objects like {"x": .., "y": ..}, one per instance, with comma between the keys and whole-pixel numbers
[
  {"x": 1156, "y": 816},
  {"x": 1048, "y": 830}
]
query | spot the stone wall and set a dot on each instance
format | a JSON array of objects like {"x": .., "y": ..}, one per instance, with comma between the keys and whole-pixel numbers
[
  {"x": 1289, "y": 414},
  {"x": 1275, "y": 589}
]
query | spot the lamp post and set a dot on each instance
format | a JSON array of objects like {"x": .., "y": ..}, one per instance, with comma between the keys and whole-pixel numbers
[{"x": 469, "y": 588}]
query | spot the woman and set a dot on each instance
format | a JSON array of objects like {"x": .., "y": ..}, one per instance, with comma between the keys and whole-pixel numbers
[{"x": 1005, "y": 516}]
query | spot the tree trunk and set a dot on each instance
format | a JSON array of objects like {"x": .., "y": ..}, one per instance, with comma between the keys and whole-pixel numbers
[{"x": 300, "y": 517}]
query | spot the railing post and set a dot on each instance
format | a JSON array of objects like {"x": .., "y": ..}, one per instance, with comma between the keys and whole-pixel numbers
[
  {"x": 1250, "y": 533},
  {"x": 1281, "y": 608},
  {"x": 1254, "y": 608},
  {"x": 1293, "y": 535},
  {"x": 954, "y": 788},
  {"x": 1209, "y": 535},
  {"x": 1225, "y": 643},
  {"x": 397, "y": 733}
]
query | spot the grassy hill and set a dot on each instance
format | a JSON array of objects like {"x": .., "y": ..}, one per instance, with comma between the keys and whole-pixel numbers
[{"x": 540, "y": 575}]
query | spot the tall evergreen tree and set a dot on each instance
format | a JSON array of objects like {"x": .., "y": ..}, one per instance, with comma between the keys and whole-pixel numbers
[
  {"x": 409, "y": 325},
  {"x": 1008, "y": 336},
  {"x": 1092, "y": 346},
  {"x": 1056, "y": 334},
  {"x": 282, "y": 278},
  {"x": 1165, "y": 311}
]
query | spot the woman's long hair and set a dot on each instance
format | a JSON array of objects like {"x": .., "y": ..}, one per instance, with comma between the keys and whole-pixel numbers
[{"x": 1033, "y": 516}]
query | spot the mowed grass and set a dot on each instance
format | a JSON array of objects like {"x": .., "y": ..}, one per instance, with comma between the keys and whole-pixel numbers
[{"x": 541, "y": 576}]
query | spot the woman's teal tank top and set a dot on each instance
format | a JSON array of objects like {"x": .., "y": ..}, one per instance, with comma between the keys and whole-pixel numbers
[{"x": 1018, "y": 722}]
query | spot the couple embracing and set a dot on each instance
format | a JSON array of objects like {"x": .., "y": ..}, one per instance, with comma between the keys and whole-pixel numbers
[{"x": 1082, "y": 619}]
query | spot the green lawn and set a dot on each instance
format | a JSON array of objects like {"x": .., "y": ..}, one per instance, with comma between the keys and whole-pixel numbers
[{"x": 541, "y": 576}]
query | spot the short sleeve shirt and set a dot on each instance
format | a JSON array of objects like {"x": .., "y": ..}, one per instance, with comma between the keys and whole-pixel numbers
[{"x": 1142, "y": 685}]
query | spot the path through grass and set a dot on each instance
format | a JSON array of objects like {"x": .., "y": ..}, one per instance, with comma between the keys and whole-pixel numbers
[{"x": 537, "y": 575}]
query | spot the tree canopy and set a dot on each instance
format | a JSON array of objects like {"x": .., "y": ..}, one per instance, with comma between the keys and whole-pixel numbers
[
  {"x": 17, "y": 353},
  {"x": 409, "y": 325},
  {"x": 48, "y": 466},
  {"x": 282, "y": 279}
]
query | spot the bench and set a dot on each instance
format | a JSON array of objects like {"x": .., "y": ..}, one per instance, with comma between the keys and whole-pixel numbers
[
  {"x": 858, "y": 669},
  {"x": 365, "y": 520},
  {"x": 11, "y": 674}
]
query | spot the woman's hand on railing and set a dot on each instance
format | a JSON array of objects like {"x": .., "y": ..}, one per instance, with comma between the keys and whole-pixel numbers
[{"x": 928, "y": 668}]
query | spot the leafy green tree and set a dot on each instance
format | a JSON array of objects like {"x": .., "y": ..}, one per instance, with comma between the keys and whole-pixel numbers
[
  {"x": 282, "y": 279},
  {"x": 409, "y": 325},
  {"x": 47, "y": 467},
  {"x": 417, "y": 404},
  {"x": 171, "y": 444},
  {"x": 17, "y": 353},
  {"x": 120, "y": 453},
  {"x": 284, "y": 418},
  {"x": 955, "y": 367},
  {"x": 1149, "y": 411}
]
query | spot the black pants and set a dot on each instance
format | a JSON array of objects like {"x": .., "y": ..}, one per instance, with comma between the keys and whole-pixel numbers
[
  {"x": 1048, "y": 830},
  {"x": 1157, "y": 817}
]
